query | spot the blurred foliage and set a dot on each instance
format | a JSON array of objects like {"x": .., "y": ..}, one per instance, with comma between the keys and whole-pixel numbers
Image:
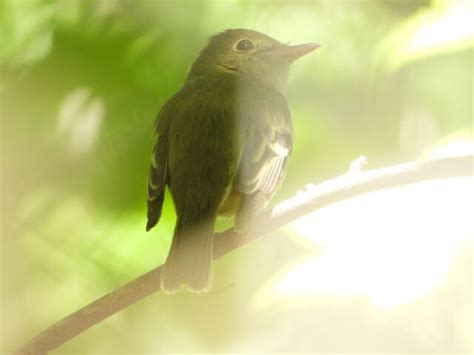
[{"x": 81, "y": 83}]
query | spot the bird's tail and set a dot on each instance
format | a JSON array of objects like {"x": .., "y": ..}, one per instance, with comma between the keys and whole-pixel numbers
[{"x": 190, "y": 258}]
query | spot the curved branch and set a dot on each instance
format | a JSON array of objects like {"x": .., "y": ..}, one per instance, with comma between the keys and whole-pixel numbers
[{"x": 351, "y": 184}]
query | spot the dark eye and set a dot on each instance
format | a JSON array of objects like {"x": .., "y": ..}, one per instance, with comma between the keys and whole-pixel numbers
[{"x": 244, "y": 45}]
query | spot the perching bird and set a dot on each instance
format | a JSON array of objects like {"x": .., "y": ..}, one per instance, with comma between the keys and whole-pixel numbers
[{"x": 223, "y": 142}]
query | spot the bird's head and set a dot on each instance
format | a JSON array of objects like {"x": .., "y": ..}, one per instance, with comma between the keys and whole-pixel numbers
[{"x": 250, "y": 55}]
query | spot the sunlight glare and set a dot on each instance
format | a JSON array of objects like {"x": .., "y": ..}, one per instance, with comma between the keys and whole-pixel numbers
[
  {"x": 392, "y": 246},
  {"x": 79, "y": 120}
]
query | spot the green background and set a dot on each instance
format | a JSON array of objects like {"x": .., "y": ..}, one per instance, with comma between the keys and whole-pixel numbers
[{"x": 81, "y": 84}]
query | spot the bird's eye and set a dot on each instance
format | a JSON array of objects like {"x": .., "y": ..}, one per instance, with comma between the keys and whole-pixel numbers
[{"x": 244, "y": 45}]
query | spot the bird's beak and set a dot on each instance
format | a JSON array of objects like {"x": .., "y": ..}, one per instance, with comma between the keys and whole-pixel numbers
[{"x": 292, "y": 53}]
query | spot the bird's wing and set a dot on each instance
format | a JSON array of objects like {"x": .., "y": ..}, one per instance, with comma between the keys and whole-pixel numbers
[
  {"x": 158, "y": 171},
  {"x": 264, "y": 159}
]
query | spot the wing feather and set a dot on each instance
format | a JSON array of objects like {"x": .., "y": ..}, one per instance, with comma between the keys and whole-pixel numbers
[
  {"x": 157, "y": 178},
  {"x": 262, "y": 167}
]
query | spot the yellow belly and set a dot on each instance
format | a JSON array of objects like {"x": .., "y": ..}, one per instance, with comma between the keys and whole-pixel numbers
[{"x": 229, "y": 206}]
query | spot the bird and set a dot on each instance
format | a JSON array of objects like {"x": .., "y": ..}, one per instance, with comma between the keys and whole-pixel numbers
[{"x": 221, "y": 148}]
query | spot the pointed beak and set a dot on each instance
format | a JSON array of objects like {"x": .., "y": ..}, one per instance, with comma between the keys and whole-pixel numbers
[{"x": 292, "y": 53}]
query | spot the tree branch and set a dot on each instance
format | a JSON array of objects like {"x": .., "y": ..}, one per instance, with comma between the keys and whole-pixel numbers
[{"x": 351, "y": 184}]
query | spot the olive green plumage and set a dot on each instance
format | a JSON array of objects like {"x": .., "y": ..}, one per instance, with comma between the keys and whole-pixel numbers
[{"x": 222, "y": 146}]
